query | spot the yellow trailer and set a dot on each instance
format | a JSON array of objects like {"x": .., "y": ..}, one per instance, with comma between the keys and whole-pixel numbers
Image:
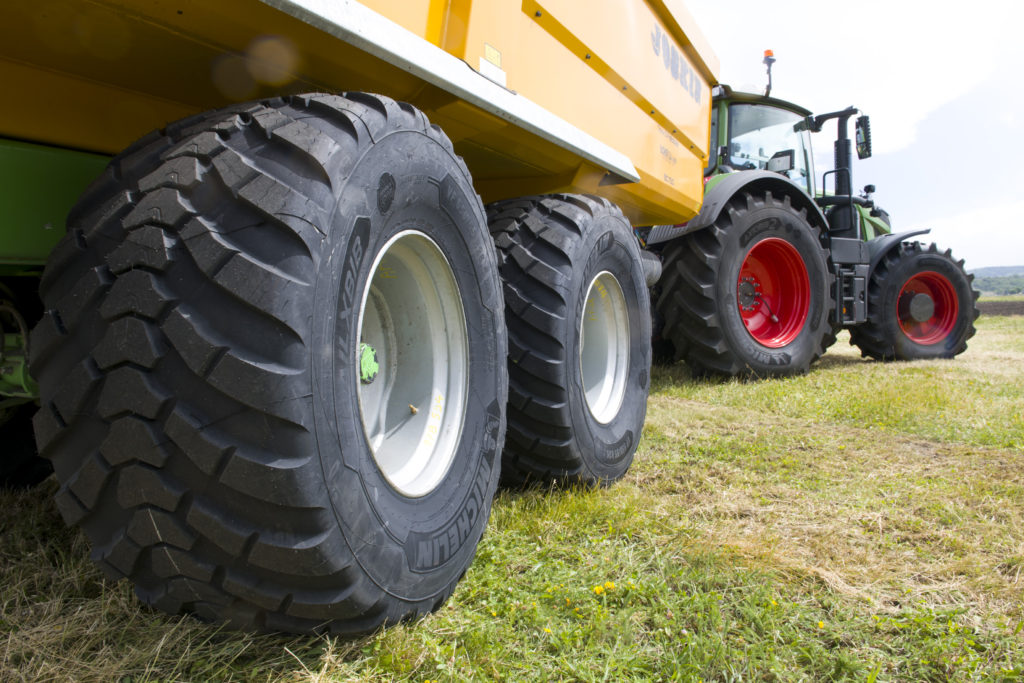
[
  {"x": 611, "y": 97},
  {"x": 291, "y": 334}
]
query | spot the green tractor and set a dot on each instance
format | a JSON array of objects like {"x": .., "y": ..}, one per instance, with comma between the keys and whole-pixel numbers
[{"x": 759, "y": 283}]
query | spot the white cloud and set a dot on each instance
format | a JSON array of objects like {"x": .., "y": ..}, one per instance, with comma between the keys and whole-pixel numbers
[
  {"x": 896, "y": 60},
  {"x": 940, "y": 83},
  {"x": 986, "y": 236}
]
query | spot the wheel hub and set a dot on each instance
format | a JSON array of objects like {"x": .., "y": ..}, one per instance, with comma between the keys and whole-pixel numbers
[
  {"x": 927, "y": 308},
  {"x": 604, "y": 347},
  {"x": 748, "y": 293},
  {"x": 413, "y": 363},
  {"x": 920, "y": 307},
  {"x": 368, "y": 366},
  {"x": 773, "y": 292}
]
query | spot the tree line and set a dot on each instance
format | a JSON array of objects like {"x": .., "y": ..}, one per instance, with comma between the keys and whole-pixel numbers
[{"x": 1002, "y": 286}]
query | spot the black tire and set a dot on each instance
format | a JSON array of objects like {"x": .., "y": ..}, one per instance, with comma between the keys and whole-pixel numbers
[
  {"x": 700, "y": 292},
  {"x": 553, "y": 252},
  {"x": 946, "y": 306},
  {"x": 663, "y": 351},
  {"x": 199, "y": 365},
  {"x": 831, "y": 338},
  {"x": 20, "y": 466}
]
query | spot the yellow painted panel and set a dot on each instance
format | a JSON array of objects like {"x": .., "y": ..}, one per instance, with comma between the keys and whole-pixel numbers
[
  {"x": 74, "y": 112},
  {"x": 685, "y": 30},
  {"x": 422, "y": 17},
  {"x": 97, "y": 74},
  {"x": 635, "y": 51},
  {"x": 164, "y": 62},
  {"x": 542, "y": 68}
]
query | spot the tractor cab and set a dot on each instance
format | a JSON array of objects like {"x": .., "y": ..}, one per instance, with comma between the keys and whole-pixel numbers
[
  {"x": 758, "y": 132},
  {"x": 753, "y": 132}
]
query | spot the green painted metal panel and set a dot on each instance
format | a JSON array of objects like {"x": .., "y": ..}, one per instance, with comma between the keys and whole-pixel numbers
[
  {"x": 14, "y": 378},
  {"x": 871, "y": 227},
  {"x": 38, "y": 186}
]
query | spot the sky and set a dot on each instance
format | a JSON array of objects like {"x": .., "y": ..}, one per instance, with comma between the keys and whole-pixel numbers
[{"x": 941, "y": 82}]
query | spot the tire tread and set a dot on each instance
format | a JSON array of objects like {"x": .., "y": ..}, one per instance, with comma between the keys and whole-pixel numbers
[{"x": 165, "y": 444}]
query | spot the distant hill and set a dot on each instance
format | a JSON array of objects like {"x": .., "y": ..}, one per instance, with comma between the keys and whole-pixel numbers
[
  {"x": 1002, "y": 285},
  {"x": 998, "y": 271}
]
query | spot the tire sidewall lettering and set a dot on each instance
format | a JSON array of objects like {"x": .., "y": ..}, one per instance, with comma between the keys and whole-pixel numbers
[
  {"x": 395, "y": 538},
  {"x": 615, "y": 440}
]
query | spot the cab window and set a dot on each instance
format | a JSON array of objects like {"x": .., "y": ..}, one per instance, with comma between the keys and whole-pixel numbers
[{"x": 757, "y": 132}]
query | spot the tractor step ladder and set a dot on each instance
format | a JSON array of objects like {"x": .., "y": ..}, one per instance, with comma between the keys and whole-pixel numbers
[
  {"x": 851, "y": 268},
  {"x": 851, "y": 299}
]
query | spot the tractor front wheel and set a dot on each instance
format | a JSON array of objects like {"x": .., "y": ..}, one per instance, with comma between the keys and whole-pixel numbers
[{"x": 920, "y": 305}]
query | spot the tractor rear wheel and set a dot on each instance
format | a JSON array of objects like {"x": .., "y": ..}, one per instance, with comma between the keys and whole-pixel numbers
[
  {"x": 921, "y": 304},
  {"x": 578, "y": 316},
  {"x": 272, "y": 366},
  {"x": 750, "y": 295}
]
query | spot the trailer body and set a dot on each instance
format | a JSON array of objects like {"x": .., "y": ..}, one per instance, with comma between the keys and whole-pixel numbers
[{"x": 611, "y": 98}]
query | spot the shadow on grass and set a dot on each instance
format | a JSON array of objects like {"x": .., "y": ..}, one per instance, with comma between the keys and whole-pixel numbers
[{"x": 65, "y": 621}]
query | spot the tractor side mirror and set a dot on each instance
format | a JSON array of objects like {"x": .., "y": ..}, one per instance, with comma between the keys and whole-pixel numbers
[
  {"x": 782, "y": 161},
  {"x": 863, "y": 137}
]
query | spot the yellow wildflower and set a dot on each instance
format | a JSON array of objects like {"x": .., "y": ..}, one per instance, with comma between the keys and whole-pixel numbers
[
  {"x": 598, "y": 590},
  {"x": 609, "y": 585},
  {"x": 821, "y": 624}
]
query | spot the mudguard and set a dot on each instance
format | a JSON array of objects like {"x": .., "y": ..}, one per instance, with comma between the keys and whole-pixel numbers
[
  {"x": 880, "y": 246},
  {"x": 716, "y": 199}
]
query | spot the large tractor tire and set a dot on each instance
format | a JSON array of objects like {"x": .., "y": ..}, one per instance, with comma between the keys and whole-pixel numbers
[
  {"x": 921, "y": 304},
  {"x": 750, "y": 295},
  {"x": 579, "y": 326},
  {"x": 272, "y": 366}
]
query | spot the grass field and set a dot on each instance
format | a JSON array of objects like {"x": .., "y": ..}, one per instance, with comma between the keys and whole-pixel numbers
[{"x": 862, "y": 522}]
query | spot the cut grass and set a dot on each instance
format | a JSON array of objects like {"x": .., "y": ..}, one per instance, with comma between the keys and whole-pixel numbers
[
  {"x": 975, "y": 399},
  {"x": 865, "y": 521}
]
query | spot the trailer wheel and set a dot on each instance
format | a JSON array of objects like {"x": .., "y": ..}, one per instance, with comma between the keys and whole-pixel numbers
[
  {"x": 578, "y": 317},
  {"x": 271, "y": 366},
  {"x": 751, "y": 294},
  {"x": 921, "y": 304}
]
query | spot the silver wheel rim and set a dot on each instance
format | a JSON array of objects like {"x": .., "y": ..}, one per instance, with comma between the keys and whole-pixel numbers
[
  {"x": 412, "y": 327},
  {"x": 604, "y": 347}
]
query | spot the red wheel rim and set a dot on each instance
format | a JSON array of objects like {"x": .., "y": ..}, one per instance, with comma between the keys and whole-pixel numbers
[
  {"x": 927, "y": 308},
  {"x": 773, "y": 292}
]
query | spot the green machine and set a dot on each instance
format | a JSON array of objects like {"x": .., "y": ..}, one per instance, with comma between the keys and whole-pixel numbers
[{"x": 774, "y": 265}]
